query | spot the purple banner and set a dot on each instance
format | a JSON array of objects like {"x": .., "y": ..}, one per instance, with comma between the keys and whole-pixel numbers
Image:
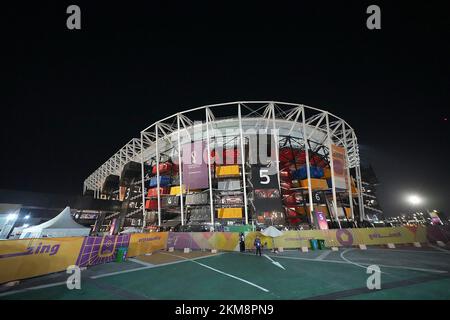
[
  {"x": 195, "y": 168},
  {"x": 98, "y": 250}
]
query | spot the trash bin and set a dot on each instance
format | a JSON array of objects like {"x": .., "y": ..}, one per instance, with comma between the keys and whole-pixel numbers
[
  {"x": 314, "y": 244},
  {"x": 321, "y": 244},
  {"x": 121, "y": 254}
]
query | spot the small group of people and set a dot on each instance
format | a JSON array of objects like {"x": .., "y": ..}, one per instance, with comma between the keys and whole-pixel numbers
[{"x": 257, "y": 243}]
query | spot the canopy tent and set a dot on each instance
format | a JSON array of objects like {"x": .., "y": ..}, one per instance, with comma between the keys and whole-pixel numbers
[
  {"x": 60, "y": 226},
  {"x": 273, "y": 233}
]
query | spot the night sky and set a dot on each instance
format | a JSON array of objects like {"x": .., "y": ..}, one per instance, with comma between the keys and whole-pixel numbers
[{"x": 70, "y": 99}]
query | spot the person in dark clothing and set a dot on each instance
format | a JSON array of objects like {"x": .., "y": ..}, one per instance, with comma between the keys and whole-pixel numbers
[
  {"x": 258, "y": 245},
  {"x": 242, "y": 242}
]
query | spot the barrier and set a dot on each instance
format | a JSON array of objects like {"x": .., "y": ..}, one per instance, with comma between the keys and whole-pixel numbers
[
  {"x": 20, "y": 259},
  {"x": 25, "y": 258},
  {"x": 98, "y": 250},
  {"x": 224, "y": 241},
  {"x": 142, "y": 243}
]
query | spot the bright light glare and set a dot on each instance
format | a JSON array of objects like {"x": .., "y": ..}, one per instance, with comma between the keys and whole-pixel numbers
[
  {"x": 11, "y": 216},
  {"x": 25, "y": 225},
  {"x": 27, "y": 216},
  {"x": 413, "y": 199}
]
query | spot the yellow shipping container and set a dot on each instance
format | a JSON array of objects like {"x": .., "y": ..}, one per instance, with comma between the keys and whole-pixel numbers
[
  {"x": 176, "y": 190},
  {"x": 326, "y": 173},
  {"x": 227, "y": 171},
  {"x": 229, "y": 213},
  {"x": 316, "y": 184}
]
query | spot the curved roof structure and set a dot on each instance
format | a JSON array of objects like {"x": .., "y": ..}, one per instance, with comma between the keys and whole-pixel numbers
[{"x": 289, "y": 119}]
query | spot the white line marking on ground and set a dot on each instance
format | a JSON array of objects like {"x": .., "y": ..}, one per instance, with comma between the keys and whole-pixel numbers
[
  {"x": 274, "y": 262},
  {"x": 440, "y": 249},
  {"x": 149, "y": 267},
  {"x": 323, "y": 255},
  {"x": 141, "y": 262},
  {"x": 33, "y": 288},
  {"x": 367, "y": 264},
  {"x": 120, "y": 272},
  {"x": 349, "y": 261},
  {"x": 221, "y": 272},
  {"x": 356, "y": 264}
]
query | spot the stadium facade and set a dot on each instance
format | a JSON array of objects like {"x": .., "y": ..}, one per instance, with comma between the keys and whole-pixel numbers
[{"x": 234, "y": 164}]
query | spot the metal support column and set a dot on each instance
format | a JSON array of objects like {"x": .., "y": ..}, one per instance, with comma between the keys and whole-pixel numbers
[
  {"x": 211, "y": 205},
  {"x": 244, "y": 179},
  {"x": 333, "y": 186},
  {"x": 308, "y": 174},
  {"x": 180, "y": 171},
  {"x": 349, "y": 177},
  {"x": 143, "y": 183},
  {"x": 157, "y": 175},
  {"x": 275, "y": 138}
]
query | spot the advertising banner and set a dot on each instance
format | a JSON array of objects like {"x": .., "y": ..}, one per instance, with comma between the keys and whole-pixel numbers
[
  {"x": 227, "y": 241},
  {"x": 20, "y": 259},
  {"x": 321, "y": 220},
  {"x": 98, "y": 250},
  {"x": 340, "y": 173},
  {"x": 195, "y": 168},
  {"x": 142, "y": 243}
]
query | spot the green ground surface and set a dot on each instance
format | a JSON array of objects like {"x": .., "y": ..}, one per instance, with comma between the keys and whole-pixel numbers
[{"x": 315, "y": 275}]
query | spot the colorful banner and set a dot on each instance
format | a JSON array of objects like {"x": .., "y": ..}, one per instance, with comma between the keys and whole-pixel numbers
[
  {"x": 227, "y": 241},
  {"x": 98, "y": 250},
  {"x": 321, "y": 220},
  {"x": 20, "y": 259},
  {"x": 338, "y": 158},
  {"x": 142, "y": 243},
  {"x": 25, "y": 258}
]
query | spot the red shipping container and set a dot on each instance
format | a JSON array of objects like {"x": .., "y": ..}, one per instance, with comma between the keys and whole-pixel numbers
[
  {"x": 289, "y": 200},
  {"x": 317, "y": 161},
  {"x": 165, "y": 167},
  {"x": 153, "y": 192},
  {"x": 286, "y": 185},
  {"x": 151, "y": 204},
  {"x": 291, "y": 213},
  {"x": 287, "y": 155},
  {"x": 285, "y": 174}
]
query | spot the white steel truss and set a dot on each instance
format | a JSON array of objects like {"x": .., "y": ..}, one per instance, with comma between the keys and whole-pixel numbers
[{"x": 309, "y": 123}]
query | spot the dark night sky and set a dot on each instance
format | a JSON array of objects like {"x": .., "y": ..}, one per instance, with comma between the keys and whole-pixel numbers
[{"x": 70, "y": 99}]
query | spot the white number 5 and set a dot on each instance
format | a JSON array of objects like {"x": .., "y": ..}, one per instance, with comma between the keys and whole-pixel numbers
[{"x": 263, "y": 175}]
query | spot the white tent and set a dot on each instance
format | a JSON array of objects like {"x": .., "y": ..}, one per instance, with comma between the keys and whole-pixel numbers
[{"x": 60, "y": 226}]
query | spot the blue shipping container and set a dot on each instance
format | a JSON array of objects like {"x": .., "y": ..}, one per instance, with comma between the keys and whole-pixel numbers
[{"x": 164, "y": 181}]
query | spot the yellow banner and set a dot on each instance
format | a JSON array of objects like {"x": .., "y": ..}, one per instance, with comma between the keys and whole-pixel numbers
[
  {"x": 142, "y": 243},
  {"x": 342, "y": 237},
  {"x": 20, "y": 259}
]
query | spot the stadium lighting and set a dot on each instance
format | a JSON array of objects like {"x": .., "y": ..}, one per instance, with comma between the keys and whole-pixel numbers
[
  {"x": 414, "y": 199},
  {"x": 27, "y": 216}
]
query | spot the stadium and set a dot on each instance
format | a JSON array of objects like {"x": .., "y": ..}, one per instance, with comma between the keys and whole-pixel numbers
[
  {"x": 192, "y": 199},
  {"x": 234, "y": 188}
]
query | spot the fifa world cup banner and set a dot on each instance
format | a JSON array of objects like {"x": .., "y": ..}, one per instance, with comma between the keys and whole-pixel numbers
[
  {"x": 26, "y": 258},
  {"x": 340, "y": 174},
  {"x": 195, "y": 168},
  {"x": 142, "y": 243}
]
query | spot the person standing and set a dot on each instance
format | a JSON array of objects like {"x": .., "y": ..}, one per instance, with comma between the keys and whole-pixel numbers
[
  {"x": 242, "y": 242},
  {"x": 258, "y": 245}
]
